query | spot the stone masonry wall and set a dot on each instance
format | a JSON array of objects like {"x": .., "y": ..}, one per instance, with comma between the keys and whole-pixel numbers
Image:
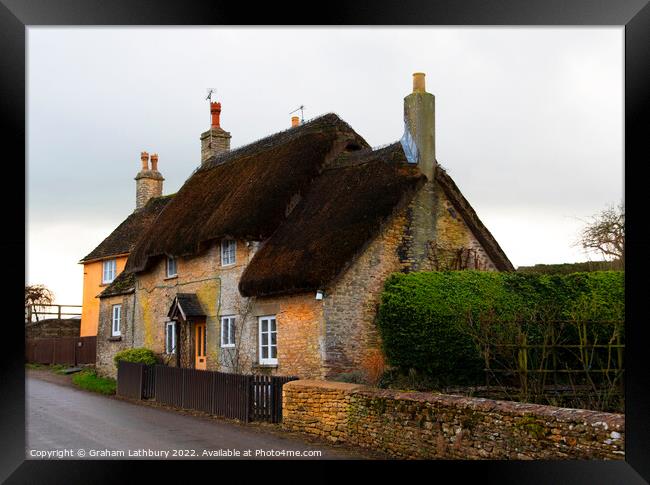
[
  {"x": 300, "y": 329},
  {"x": 438, "y": 426},
  {"x": 107, "y": 345},
  {"x": 215, "y": 287},
  {"x": 350, "y": 305}
]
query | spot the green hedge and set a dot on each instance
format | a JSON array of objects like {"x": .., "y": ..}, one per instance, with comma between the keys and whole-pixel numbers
[
  {"x": 423, "y": 316},
  {"x": 138, "y": 355}
]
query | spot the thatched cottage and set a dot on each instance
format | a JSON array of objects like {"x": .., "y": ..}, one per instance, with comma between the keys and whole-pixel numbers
[{"x": 271, "y": 258}]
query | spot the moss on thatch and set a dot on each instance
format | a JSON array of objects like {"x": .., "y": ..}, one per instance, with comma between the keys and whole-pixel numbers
[{"x": 123, "y": 284}]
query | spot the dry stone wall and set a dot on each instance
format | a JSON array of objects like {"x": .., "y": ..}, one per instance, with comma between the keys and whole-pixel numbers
[{"x": 437, "y": 426}]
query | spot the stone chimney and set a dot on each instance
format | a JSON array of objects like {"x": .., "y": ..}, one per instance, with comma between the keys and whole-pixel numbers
[
  {"x": 149, "y": 182},
  {"x": 419, "y": 139},
  {"x": 216, "y": 139},
  {"x": 420, "y": 148},
  {"x": 295, "y": 121}
]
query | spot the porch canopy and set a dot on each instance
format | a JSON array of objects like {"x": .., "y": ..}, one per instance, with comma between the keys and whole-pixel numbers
[{"x": 186, "y": 306}]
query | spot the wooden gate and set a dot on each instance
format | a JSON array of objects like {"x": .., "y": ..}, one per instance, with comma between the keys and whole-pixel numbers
[{"x": 61, "y": 350}]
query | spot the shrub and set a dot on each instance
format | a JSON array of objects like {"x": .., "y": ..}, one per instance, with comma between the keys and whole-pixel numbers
[
  {"x": 423, "y": 317},
  {"x": 139, "y": 355}
]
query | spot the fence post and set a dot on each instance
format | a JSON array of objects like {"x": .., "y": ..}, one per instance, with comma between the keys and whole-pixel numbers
[{"x": 249, "y": 396}]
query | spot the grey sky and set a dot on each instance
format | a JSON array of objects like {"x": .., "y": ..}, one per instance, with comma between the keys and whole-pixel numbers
[{"x": 529, "y": 120}]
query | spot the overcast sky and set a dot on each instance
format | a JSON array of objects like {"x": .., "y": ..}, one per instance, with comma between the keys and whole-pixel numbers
[{"x": 529, "y": 121}]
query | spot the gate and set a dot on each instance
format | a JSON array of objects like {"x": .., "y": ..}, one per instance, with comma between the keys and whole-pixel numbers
[{"x": 61, "y": 350}]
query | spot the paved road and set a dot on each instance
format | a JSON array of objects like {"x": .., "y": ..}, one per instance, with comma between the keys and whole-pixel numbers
[{"x": 63, "y": 418}]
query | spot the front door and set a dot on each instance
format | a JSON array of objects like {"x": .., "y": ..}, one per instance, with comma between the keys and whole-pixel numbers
[{"x": 199, "y": 346}]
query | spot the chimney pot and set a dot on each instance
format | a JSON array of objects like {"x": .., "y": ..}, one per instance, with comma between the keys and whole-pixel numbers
[
  {"x": 144, "y": 156},
  {"x": 215, "y": 111},
  {"x": 295, "y": 121},
  {"x": 154, "y": 161},
  {"x": 418, "y": 82}
]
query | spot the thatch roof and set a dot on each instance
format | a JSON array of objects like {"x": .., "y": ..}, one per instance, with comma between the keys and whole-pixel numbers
[
  {"x": 340, "y": 214},
  {"x": 123, "y": 238},
  {"x": 123, "y": 284},
  {"x": 481, "y": 233},
  {"x": 314, "y": 206},
  {"x": 243, "y": 194}
]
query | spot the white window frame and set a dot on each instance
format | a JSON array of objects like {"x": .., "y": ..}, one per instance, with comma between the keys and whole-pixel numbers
[
  {"x": 228, "y": 326},
  {"x": 172, "y": 350},
  {"x": 171, "y": 259},
  {"x": 116, "y": 321},
  {"x": 225, "y": 243},
  {"x": 268, "y": 360},
  {"x": 109, "y": 270}
]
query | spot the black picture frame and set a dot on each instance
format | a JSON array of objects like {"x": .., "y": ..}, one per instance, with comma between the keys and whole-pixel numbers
[{"x": 634, "y": 15}]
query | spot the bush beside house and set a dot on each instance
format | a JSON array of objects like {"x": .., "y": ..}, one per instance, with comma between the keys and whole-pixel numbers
[
  {"x": 139, "y": 355},
  {"x": 426, "y": 319}
]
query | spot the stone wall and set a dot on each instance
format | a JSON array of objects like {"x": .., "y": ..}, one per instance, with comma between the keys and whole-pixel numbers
[
  {"x": 438, "y": 426},
  {"x": 300, "y": 330},
  {"x": 350, "y": 305},
  {"x": 107, "y": 345}
]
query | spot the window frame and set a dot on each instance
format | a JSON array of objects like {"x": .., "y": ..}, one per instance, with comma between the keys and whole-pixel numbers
[
  {"x": 269, "y": 361},
  {"x": 118, "y": 320},
  {"x": 232, "y": 324},
  {"x": 224, "y": 248},
  {"x": 105, "y": 264},
  {"x": 167, "y": 265},
  {"x": 170, "y": 323}
]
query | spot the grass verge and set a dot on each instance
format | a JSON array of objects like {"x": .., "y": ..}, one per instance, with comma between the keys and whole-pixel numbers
[
  {"x": 90, "y": 381},
  {"x": 56, "y": 368}
]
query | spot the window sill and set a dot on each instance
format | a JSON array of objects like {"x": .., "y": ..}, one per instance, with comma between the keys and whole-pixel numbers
[
  {"x": 115, "y": 338},
  {"x": 228, "y": 346},
  {"x": 266, "y": 366},
  {"x": 170, "y": 278},
  {"x": 231, "y": 265}
]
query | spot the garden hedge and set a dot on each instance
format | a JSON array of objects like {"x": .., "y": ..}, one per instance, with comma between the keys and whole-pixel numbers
[{"x": 422, "y": 315}]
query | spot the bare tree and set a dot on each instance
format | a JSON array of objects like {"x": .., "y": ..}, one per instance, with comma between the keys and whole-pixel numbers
[
  {"x": 605, "y": 234},
  {"x": 36, "y": 295}
]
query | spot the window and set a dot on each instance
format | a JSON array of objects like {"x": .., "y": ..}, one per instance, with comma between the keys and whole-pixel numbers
[
  {"x": 171, "y": 267},
  {"x": 170, "y": 337},
  {"x": 228, "y": 247},
  {"x": 108, "y": 274},
  {"x": 268, "y": 341},
  {"x": 227, "y": 331},
  {"x": 117, "y": 316}
]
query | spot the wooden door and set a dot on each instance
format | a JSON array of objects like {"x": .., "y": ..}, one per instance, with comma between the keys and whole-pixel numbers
[{"x": 199, "y": 346}]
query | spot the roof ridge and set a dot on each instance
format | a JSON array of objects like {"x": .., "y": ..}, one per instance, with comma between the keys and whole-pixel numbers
[{"x": 226, "y": 156}]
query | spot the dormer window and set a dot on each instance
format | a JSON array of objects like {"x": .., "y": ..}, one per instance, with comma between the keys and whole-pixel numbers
[
  {"x": 171, "y": 267},
  {"x": 109, "y": 270},
  {"x": 228, "y": 251}
]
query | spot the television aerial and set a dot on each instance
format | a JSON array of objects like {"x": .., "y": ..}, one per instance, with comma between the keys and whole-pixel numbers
[
  {"x": 210, "y": 92},
  {"x": 301, "y": 108}
]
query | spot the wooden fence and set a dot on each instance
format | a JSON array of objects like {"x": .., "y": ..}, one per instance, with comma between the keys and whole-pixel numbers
[
  {"x": 61, "y": 350},
  {"x": 237, "y": 396},
  {"x": 35, "y": 313}
]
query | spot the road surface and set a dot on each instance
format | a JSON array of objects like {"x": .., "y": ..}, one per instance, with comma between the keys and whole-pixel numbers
[{"x": 67, "y": 423}]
